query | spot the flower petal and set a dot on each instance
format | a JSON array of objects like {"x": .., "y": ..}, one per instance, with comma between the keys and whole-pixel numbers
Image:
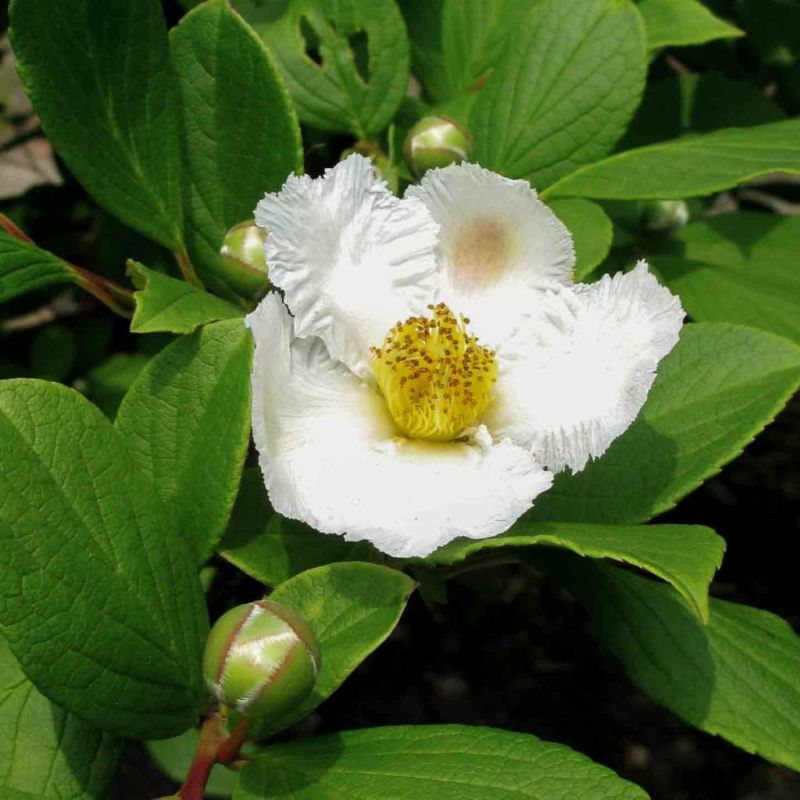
[
  {"x": 352, "y": 258},
  {"x": 497, "y": 243},
  {"x": 579, "y": 374},
  {"x": 331, "y": 455}
]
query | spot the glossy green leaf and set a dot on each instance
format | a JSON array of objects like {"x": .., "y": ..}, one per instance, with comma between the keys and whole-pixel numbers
[
  {"x": 174, "y": 757},
  {"x": 563, "y": 91},
  {"x": 271, "y": 548},
  {"x": 186, "y": 421},
  {"x": 346, "y": 63},
  {"x": 735, "y": 677},
  {"x": 687, "y": 556},
  {"x": 682, "y": 22},
  {"x": 240, "y": 134},
  {"x": 456, "y": 43},
  {"x": 591, "y": 231},
  {"x": 474, "y": 34},
  {"x": 168, "y": 305},
  {"x": 99, "y": 600},
  {"x": 738, "y": 268},
  {"x": 716, "y": 390},
  {"x": 100, "y": 79},
  {"x": 24, "y": 268},
  {"x": 429, "y": 762},
  {"x": 45, "y": 752},
  {"x": 352, "y": 608},
  {"x": 693, "y": 165}
]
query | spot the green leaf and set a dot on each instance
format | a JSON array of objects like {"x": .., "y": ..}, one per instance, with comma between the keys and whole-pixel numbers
[
  {"x": 186, "y": 421},
  {"x": 474, "y": 34},
  {"x": 240, "y": 134},
  {"x": 735, "y": 677},
  {"x": 99, "y": 601},
  {"x": 564, "y": 90},
  {"x": 693, "y": 165},
  {"x": 100, "y": 79},
  {"x": 174, "y": 757},
  {"x": 682, "y": 22},
  {"x": 24, "y": 268},
  {"x": 168, "y": 305},
  {"x": 352, "y": 608},
  {"x": 692, "y": 103},
  {"x": 591, "y": 231},
  {"x": 738, "y": 268},
  {"x": 346, "y": 63},
  {"x": 714, "y": 392},
  {"x": 429, "y": 762},
  {"x": 271, "y": 548},
  {"x": 423, "y": 19},
  {"x": 455, "y": 43},
  {"x": 687, "y": 556},
  {"x": 45, "y": 752}
]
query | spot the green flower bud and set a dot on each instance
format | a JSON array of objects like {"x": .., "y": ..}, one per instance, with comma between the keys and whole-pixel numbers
[
  {"x": 436, "y": 142},
  {"x": 244, "y": 262},
  {"x": 664, "y": 215},
  {"x": 261, "y": 659}
]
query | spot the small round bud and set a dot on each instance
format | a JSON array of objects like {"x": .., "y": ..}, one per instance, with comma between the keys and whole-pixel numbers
[
  {"x": 436, "y": 142},
  {"x": 664, "y": 215},
  {"x": 244, "y": 262},
  {"x": 261, "y": 659}
]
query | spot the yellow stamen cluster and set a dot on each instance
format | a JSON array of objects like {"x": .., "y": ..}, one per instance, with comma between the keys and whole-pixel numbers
[{"x": 436, "y": 378}]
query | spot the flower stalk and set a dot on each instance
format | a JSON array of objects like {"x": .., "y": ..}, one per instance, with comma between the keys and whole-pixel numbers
[
  {"x": 110, "y": 294},
  {"x": 213, "y": 748}
]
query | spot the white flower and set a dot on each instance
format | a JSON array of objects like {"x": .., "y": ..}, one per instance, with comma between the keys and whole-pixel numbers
[{"x": 378, "y": 414}]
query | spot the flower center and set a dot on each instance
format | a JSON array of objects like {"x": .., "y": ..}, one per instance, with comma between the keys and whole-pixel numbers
[{"x": 436, "y": 378}]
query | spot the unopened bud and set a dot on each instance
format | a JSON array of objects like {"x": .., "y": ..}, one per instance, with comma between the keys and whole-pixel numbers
[
  {"x": 436, "y": 142},
  {"x": 244, "y": 261},
  {"x": 261, "y": 659},
  {"x": 664, "y": 215}
]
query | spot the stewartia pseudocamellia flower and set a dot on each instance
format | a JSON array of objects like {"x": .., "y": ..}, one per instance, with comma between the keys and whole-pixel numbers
[{"x": 439, "y": 364}]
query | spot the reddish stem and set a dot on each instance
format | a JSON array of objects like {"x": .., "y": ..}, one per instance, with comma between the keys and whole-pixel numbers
[
  {"x": 211, "y": 736},
  {"x": 229, "y": 749},
  {"x": 116, "y": 297},
  {"x": 194, "y": 787},
  {"x": 11, "y": 228},
  {"x": 213, "y": 748},
  {"x": 187, "y": 269}
]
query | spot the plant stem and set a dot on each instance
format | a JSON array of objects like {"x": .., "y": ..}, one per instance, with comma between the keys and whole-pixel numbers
[
  {"x": 9, "y": 227},
  {"x": 213, "y": 748},
  {"x": 211, "y": 735},
  {"x": 187, "y": 269},
  {"x": 110, "y": 294},
  {"x": 229, "y": 749},
  {"x": 116, "y": 297}
]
